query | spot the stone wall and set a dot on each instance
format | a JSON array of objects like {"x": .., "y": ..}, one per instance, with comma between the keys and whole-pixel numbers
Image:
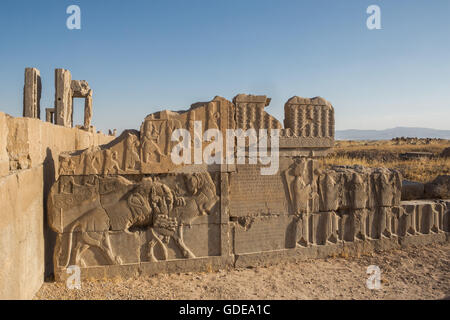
[
  {"x": 4, "y": 158},
  {"x": 21, "y": 233},
  {"x": 125, "y": 208},
  {"x": 29, "y": 149},
  {"x": 122, "y": 207}
]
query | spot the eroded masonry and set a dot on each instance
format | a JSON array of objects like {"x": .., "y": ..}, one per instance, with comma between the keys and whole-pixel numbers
[
  {"x": 29, "y": 151},
  {"x": 125, "y": 209}
]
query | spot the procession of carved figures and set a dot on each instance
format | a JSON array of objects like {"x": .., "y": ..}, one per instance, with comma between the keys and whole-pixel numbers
[
  {"x": 86, "y": 210},
  {"x": 351, "y": 204},
  {"x": 123, "y": 203},
  {"x": 328, "y": 206},
  {"x": 149, "y": 150}
]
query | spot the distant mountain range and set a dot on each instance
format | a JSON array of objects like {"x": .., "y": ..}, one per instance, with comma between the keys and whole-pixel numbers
[{"x": 353, "y": 134}]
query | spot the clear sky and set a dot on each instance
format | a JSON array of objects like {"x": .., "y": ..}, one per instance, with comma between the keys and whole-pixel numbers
[{"x": 144, "y": 56}]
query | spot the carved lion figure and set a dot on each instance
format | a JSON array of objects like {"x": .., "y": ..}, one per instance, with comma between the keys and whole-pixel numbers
[{"x": 122, "y": 205}]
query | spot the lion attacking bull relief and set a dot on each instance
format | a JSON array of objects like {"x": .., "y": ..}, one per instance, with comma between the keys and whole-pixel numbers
[{"x": 87, "y": 211}]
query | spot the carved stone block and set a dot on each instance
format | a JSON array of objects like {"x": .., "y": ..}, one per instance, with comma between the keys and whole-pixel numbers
[
  {"x": 250, "y": 113},
  {"x": 151, "y": 213},
  {"x": 263, "y": 233},
  {"x": 309, "y": 117},
  {"x": 126, "y": 208}
]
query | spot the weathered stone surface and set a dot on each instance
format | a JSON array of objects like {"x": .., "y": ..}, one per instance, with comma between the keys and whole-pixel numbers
[
  {"x": 149, "y": 150},
  {"x": 253, "y": 194},
  {"x": 439, "y": 188},
  {"x": 250, "y": 113},
  {"x": 30, "y": 140},
  {"x": 343, "y": 187},
  {"x": 63, "y": 98},
  {"x": 21, "y": 233},
  {"x": 414, "y": 222},
  {"x": 50, "y": 115},
  {"x": 66, "y": 90},
  {"x": 412, "y": 190},
  {"x": 4, "y": 158},
  {"x": 81, "y": 89},
  {"x": 122, "y": 208},
  {"x": 263, "y": 233},
  {"x": 204, "y": 264},
  {"x": 287, "y": 142},
  {"x": 425, "y": 217},
  {"x": 32, "y": 93},
  {"x": 309, "y": 117},
  {"x": 29, "y": 150},
  {"x": 159, "y": 211}
]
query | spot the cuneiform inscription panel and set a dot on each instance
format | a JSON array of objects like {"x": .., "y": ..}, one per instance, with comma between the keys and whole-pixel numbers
[
  {"x": 252, "y": 193},
  {"x": 264, "y": 233}
]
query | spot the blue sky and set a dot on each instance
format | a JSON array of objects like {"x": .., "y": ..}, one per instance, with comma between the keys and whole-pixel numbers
[{"x": 143, "y": 56}]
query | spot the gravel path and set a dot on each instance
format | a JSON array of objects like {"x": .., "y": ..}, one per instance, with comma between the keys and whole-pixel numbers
[{"x": 412, "y": 273}]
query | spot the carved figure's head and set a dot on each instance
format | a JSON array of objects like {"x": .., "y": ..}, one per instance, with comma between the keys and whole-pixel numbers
[
  {"x": 358, "y": 182},
  {"x": 195, "y": 182},
  {"x": 161, "y": 199},
  {"x": 300, "y": 169}
]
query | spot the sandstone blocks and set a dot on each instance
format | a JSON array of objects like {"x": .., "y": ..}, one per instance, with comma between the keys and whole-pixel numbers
[
  {"x": 32, "y": 93},
  {"x": 127, "y": 208}
]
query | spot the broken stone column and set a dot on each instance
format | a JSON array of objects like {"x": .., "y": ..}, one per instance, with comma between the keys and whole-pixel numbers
[
  {"x": 63, "y": 98},
  {"x": 88, "y": 111},
  {"x": 32, "y": 93},
  {"x": 81, "y": 89}
]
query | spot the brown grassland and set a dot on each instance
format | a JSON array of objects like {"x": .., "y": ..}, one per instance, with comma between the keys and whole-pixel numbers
[{"x": 387, "y": 153}]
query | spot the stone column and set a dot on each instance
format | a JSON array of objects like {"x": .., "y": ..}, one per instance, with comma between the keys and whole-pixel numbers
[
  {"x": 32, "y": 93},
  {"x": 63, "y": 98},
  {"x": 88, "y": 110}
]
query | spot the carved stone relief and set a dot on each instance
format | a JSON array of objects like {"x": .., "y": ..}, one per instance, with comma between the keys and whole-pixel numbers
[
  {"x": 309, "y": 117},
  {"x": 155, "y": 210},
  {"x": 127, "y": 203}
]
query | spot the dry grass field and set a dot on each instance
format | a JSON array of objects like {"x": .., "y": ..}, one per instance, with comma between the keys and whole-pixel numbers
[{"x": 387, "y": 153}]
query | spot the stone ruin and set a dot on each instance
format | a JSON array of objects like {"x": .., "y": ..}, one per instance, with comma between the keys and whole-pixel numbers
[
  {"x": 125, "y": 209},
  {"x": 66, "y": 90},
  {"x": 121, "y": 207},
  {"x": 29, "y": 151}
]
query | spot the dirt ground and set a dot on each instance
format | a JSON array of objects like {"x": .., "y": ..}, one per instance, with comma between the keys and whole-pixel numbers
[{"x": 412, "y": 273}]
